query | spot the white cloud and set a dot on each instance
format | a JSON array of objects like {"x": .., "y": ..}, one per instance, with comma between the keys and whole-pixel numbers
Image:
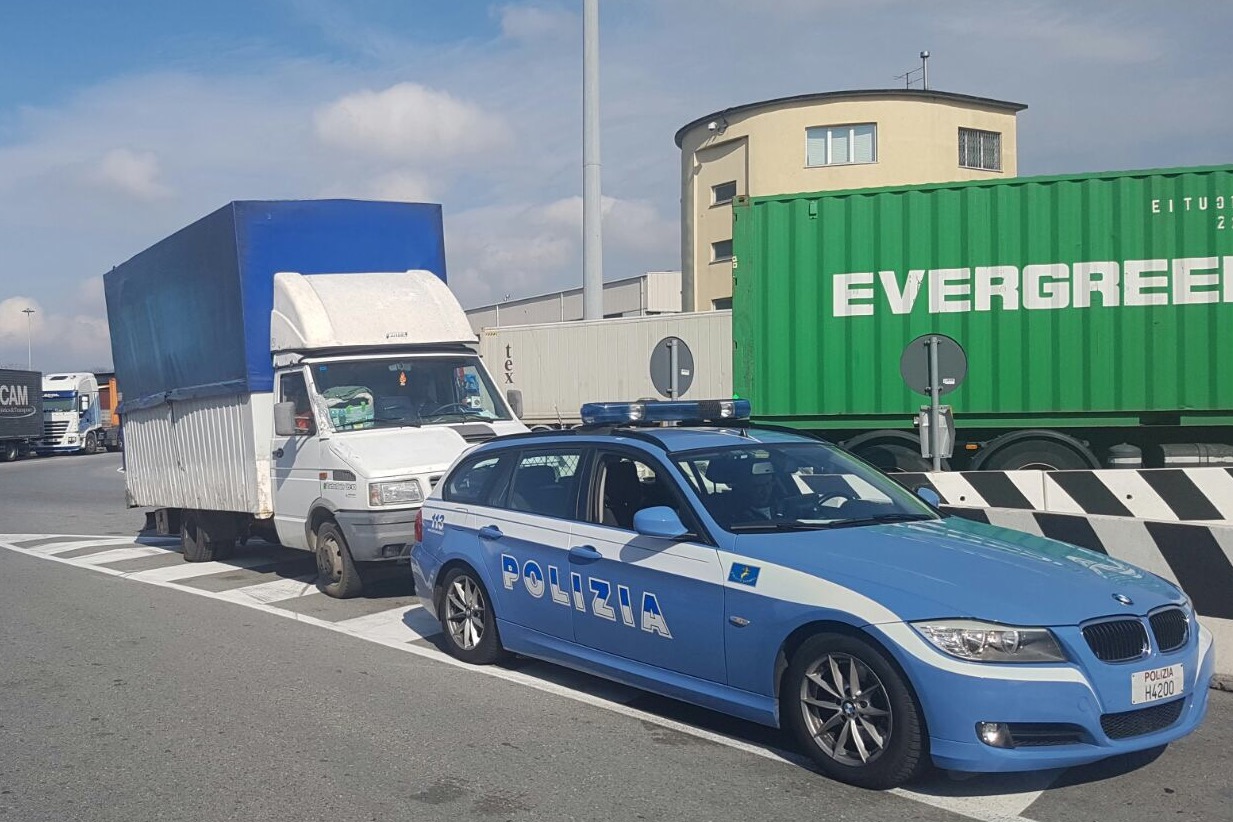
[
  {"x": 409, "y": 121},
  {"x": 135, "y": 173},
  {"x": 535, "y": 248},
  {"x": 537, "y": 23},
  {"x": 57, "y": 341}
]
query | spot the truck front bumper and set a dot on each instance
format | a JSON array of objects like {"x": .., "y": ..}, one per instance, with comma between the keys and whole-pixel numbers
[{"x": 378, "y": 536}]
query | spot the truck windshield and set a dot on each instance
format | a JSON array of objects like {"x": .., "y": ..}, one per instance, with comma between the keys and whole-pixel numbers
[
  {"x": 766, "y": 487},
  {"x": 53, "y": 403},
  {"x": 411, "y": 391}
]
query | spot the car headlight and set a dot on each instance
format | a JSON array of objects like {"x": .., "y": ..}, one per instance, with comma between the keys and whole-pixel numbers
[
  {"x": 403, "y": 492},
  {"x": 987, "y": 642}
]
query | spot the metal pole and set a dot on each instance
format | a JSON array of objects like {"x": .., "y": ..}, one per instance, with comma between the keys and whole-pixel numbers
[
  {"x": 29, "y": 337},
  {"x": 924, "y": 69},
  {"x": 935, "y": 436},
  {"x": 674, "y": 362},
  {"x": 592, "y": 241}
]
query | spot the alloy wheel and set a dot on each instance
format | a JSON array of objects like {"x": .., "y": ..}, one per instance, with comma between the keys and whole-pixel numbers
[
  {"x": 465, "y": 611},
  {"x": 846, "y": 709}
]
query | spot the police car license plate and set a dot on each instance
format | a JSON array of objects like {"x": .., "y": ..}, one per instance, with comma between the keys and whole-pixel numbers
[{"x": 1154, "y": 685}]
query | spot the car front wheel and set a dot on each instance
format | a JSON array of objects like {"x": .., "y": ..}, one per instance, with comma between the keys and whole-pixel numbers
[
  {"x": 853, "y": 712},
  {"x": 467, "y": 619}
]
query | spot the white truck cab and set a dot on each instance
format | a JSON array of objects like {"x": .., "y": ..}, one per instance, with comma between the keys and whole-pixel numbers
[
  {"x": 377, "y": 391},
  {"x": 71, "y": 420}
]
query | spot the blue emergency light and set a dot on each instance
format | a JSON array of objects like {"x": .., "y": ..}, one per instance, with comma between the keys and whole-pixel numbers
[{"x": 657, "y": 411}]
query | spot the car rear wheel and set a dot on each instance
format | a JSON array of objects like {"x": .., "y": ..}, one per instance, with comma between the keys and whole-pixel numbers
[
  {"x": 337, "y": 575},
  {"x": 467, "y": 619},
  {"x": 853, "y": 712}
]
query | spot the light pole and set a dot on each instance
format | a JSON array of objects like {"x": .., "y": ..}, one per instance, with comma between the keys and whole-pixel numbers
[{"x": 29, "y": 337}]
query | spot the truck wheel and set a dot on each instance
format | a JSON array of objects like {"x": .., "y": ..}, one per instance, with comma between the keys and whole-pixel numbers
[
  {"x": 194, "y": 542},
  {"x": 11, "y": 451},
  {"x": 91, "y": 446},
  {"x": 337, "y": 575},
  {"x": 853, "y": 712}
]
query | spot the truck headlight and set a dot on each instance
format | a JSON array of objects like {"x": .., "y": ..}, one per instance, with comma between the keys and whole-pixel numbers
[
  {"x": 987, "y": 642},
  {"x": 402, "y": 492}
]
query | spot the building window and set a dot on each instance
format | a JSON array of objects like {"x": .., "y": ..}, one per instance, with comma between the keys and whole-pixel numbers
[
  {"x": 721, "y": 251},
  {"x": 980, "y": 149},
  {"x": 841, "y": 145},
  {"x": 722, "y": 304},
  {"x": 723, "y": 193}
]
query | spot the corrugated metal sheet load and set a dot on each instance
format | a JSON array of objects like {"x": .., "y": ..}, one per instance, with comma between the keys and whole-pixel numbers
[
  {"x": 1105, "y": 295},
  {"x": 560, "y": 366},
  {"x": 190, "y": 334}
]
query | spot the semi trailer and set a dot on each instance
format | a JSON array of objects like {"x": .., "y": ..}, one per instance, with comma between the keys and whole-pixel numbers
[
  {"x": 1095, "y": 312},
  {"x": 21, "y": 412}
]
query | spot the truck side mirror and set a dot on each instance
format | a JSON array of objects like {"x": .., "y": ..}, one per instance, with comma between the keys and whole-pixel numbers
[
  {"x": 284, "y": 419},
  {"x": 84, "y": 403},
  {"x": 514, "y": 397}
]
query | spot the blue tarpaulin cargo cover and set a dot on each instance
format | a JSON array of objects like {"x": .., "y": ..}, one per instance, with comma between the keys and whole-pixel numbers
[{"x": 190, "y": 316}]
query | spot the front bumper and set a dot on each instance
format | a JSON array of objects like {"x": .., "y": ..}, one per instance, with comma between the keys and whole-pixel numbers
[
  {"x": 953, "y": 704},
  {"x": 378, "y": 536}
]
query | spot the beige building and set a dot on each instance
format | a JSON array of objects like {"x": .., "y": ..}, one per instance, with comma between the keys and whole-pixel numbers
[{"x": 820, "y": 142}]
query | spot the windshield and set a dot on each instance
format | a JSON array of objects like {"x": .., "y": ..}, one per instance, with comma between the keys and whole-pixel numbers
[
  {"x": 59, "y": 403},
  {"x": 409, "y": 391},
  {"x": 795, "y": 486}
]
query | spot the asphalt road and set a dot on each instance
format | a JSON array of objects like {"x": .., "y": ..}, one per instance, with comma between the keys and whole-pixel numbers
[{"x": 120, "y": 700}]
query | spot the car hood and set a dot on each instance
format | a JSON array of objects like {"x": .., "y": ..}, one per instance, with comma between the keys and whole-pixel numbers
[{"x": 959, "y": 568}]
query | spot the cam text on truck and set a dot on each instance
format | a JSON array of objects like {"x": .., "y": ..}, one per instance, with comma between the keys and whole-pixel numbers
[
  {"x": 1095, "y": 311},
  {"x": 21, "y": 413},
  {"x": 297, "y": 371}
]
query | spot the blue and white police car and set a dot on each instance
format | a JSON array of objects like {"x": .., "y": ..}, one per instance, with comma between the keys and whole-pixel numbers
[{"x": 768, "y": 575}]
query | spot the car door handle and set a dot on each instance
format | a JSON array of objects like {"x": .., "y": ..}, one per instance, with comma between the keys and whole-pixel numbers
[
  {"x": 584, "y": 553},
  {"x": 490, "y": 532}
]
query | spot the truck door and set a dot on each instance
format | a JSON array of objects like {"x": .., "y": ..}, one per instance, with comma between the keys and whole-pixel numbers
[{"x": 296, "y": 463}]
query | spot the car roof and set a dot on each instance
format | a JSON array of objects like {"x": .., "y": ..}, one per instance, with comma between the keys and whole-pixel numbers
[{"x": 669, "y": 439}]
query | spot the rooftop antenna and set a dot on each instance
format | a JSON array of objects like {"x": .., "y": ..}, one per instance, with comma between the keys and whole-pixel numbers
[{"x": 921, "y": 74}]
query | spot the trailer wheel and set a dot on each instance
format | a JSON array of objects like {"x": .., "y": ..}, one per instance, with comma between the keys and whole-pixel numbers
[
  {"x": 1038, "y": 454},
  {"x": 337, "y": 575},
  {"x": 12, "y": 450}
]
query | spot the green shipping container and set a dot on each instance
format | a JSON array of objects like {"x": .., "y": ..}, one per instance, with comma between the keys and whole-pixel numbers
[{"x": 1093, "y": 300}]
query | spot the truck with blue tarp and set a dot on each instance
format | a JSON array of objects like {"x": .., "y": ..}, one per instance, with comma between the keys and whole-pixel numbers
[{"x": 298, "y": 371}]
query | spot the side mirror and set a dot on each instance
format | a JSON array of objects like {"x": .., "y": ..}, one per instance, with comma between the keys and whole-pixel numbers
[
  {"x": 659, "y": 521},
  {"x": 514, "y": 397},
  {"x": 83, "y": 403},
  {"x": 929, "y": 495},
  {"x": 284, "y": 419}
]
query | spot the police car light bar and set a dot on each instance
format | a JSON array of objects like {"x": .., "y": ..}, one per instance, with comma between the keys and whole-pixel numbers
[{"x": 653, "y": 411}]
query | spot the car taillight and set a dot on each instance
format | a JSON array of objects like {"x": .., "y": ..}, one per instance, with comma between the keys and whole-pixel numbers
[{"x": 419, "y": 525}]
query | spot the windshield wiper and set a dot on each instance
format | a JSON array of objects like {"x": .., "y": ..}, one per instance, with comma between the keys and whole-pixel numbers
[
  {"x": 877, "y": 520},
  {"x": 746, "y": 527}
]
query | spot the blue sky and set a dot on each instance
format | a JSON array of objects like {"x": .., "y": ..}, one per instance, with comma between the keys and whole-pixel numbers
[{"x": 122, "y": 121}]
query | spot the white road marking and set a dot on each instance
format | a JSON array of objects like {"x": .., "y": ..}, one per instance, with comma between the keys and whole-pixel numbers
[
  {"x": 1019, "y": 791},
  {"x": 120, "y": 554},
  {"x": 72, "y": 544},
  {"x": 189, "y": 570},
  {"x": 395, "y": 625},
  {"x": 277, "y": 591}
]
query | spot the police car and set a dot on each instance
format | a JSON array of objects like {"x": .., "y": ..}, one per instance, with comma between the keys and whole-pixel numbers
[{"x": 768, "y": 575}]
